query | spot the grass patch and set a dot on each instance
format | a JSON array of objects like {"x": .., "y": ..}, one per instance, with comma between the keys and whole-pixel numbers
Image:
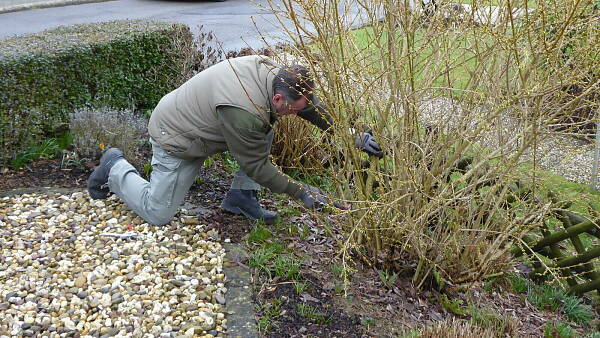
[
  {"x": 259, "y": 234},
  {"x": 47, "y": 149},
  {"x": 270, "y": 312},
  {"x": 286, "y": 267},
  {"x": 558, "y": 329},
  {"x": 312, "y": 314},
  {"x": 488, "y": 319},
  {"x": 270, "y": 258},
  {"x": 550, "y": 298}
]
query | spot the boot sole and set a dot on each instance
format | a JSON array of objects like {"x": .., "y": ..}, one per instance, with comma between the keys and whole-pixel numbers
[{"x": 238, "y": 211}]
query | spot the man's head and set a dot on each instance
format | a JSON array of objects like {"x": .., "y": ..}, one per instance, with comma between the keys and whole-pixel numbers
[{"x": 292, "y": 90}]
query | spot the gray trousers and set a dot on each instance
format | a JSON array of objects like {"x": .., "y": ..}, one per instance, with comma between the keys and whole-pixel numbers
[{"x": 157, "y": 201}]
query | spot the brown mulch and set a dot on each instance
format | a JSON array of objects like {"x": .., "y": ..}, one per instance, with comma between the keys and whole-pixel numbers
[{"x": 43, "y": 173}]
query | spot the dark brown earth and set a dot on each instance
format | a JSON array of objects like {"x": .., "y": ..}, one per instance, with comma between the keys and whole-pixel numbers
[{"x": 369, "y": 309}]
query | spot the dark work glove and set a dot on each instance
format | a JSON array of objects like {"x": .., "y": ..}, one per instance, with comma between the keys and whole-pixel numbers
[
  {"x": 313, "y": 198},
  {"x": 366, "y": 142}
]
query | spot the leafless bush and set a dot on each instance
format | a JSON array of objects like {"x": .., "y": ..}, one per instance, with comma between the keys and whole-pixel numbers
[
  {"x": 97, "y": 129},
  {"x": 442, "y": 203},
  {"x": 198, "y": 54}
]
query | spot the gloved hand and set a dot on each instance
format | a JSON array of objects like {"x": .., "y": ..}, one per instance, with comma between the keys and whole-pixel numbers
[
  {"x": 366, "y": 142},
  {"x": 313, "y": 198}
]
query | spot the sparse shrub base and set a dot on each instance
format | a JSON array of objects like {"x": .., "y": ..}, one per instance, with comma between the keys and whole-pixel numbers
[{"x": 94, "y": 130}]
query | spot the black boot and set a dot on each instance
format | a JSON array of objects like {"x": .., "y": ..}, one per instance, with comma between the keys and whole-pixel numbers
[
  {"x": 97, "y": 182},
  {"x": 245, "y": 202}
]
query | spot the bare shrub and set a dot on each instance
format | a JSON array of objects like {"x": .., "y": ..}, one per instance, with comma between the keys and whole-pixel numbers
[
  {"x": 297, "y": 146},
  {"x": 97, "y": 129},
  {"x": 450, "y": 197}
]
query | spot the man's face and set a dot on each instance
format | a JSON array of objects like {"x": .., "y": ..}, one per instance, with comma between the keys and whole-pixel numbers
[{"x": 284, "y": 107}]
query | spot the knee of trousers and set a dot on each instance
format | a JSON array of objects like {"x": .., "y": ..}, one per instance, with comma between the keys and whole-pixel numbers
[{"x": 160, "y": 216}]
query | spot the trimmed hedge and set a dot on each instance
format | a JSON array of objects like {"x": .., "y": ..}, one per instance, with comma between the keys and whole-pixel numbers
[{"x": 120, "y": 64}]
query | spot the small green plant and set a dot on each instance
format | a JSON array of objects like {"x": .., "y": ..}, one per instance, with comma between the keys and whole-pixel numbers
[
  {"x": 230, "y": 163},
  {"x": 198, "y": 181},
  {"x": 518, "y": 283},
  {"x": 288, "y": 211},
  {"x": 147, "y": 113},
  {"x": 576, "y": 311},
  {"x": 47, "y": 149},
  {"x": 259, "y": 234},
  {"x": 65, "y": 140},
  {"x": 547, "y": 297},
  {"x": 558, "y": 330},
  {"x": 275, "y": 247},
  {"x": 337, "y": 270},
  {"x": 387, "y": 277},
  {"x": 286, "y": 267},
  {"x": 366, "y": 321},
  {"x": 261, "y": 259},
  {"x": 71, "y": 159},
  {"x": 488, "y": 319},
  {"x": 452, "y": 305},
  {"x": 270, "y": 312},
  {"x": 267, "y": 256},
  {"x": 147, "y": 169},
  {"x": 312, "y": 314},
  {"x": 412, "y": 333},
  {"x": 300, "y": 287}
]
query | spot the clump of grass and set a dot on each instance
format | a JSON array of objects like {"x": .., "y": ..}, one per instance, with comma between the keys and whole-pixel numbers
[
  {"x": 287, "y": 267},
  {"x": 454, "y": 306},
  {"x": 46, "y": 149},
  {"x": 270, "y": 311},
  {"x": 312, "y": 314},
  {"x": 555, "y": 329},
  {"x": 270, "y": 258},
  {"x": 552, "y": 298},
  {"x": 300, "y": 287},
  {"x": 259, "y": 234},
  {"x": 488, "y": 319},
  {"x": 455, "y": 328},
  {"x": 518, "y": 283}
]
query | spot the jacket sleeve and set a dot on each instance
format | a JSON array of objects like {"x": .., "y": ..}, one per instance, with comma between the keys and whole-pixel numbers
[
  {"x": 316, "y": 113},
  {"x": 245, "y": 135}
]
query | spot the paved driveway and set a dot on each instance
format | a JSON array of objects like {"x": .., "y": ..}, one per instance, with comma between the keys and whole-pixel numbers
[{"x": 232, "y": 20}]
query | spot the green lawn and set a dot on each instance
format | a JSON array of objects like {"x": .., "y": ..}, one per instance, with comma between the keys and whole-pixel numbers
[{"x": 445, "y": 59}]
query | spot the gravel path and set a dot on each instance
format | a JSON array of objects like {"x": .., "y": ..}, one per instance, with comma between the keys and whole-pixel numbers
[
  {"x": 62, "y": 272},
  {"x": 561, "y": 154}
]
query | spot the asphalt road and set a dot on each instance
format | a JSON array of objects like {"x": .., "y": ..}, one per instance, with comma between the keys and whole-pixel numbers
[{"x": 232, "y": 21}]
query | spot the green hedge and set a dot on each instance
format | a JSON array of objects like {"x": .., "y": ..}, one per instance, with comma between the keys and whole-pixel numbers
[{"x": 119, "y": 64}]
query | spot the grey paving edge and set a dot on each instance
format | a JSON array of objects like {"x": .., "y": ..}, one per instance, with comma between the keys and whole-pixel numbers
[
  {"x": 241, "y": 321},
  {"x": 45, "y": 4}
]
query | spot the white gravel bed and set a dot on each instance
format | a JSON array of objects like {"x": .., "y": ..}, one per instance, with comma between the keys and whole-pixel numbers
[{"x": 63, "y": 274}]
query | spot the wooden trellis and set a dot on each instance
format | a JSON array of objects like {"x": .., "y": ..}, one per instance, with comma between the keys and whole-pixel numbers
[{"x": 570, "y": 267}]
